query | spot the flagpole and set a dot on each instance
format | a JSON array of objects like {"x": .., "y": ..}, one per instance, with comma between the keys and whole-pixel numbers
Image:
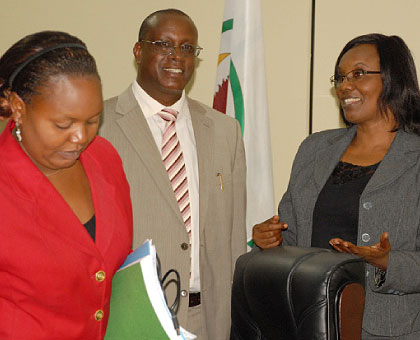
[{"x": 311, "y": 80}]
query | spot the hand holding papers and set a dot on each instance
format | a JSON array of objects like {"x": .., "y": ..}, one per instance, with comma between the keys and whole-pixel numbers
[{"x": 138, "y": 305}]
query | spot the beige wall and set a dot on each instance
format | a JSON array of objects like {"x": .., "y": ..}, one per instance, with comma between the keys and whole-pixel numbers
[{"x": 110, "y": 29}]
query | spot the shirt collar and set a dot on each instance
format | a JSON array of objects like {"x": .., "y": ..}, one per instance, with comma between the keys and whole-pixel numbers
[{"x": 150, "y": 106}]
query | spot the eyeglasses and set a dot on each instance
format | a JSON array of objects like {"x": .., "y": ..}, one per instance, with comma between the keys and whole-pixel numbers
[
  {"x": 352, "y": 76},
  {"x": 168, "y": 48}
]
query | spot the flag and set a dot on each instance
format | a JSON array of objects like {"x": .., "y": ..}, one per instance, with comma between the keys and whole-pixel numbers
[{"x": 241, "y": 93}]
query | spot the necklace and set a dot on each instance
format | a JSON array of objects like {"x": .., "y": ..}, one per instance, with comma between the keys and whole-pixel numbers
[{"x": 53, "y": 173}]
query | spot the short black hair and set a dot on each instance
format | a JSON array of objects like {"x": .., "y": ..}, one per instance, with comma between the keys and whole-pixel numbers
[
  {"x": 400, "y": 88},
  {"x": 147, "y": 22},
  {"x": 68, "y": 60}
]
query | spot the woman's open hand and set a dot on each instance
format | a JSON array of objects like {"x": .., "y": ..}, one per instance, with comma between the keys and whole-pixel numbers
[{"x": 376, "y": 255}]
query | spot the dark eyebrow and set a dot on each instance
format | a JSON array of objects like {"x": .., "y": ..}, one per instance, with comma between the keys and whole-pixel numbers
[
  {"x": 361, "y": 64},
  {"x": 358, "y": 66}
]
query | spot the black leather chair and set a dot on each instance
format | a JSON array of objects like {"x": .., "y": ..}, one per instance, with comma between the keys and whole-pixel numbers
[{"x": 297, "y": 293}]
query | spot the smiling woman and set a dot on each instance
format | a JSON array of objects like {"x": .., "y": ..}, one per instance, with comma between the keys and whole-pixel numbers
[
  {"x": 356, "y": 190},
  {"x": 59, "y": 182},
  {"x": 359, "y": 95}
]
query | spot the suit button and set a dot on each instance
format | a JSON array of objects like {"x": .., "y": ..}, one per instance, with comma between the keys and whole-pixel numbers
[
  {"x": 184, "y": 246},
  {"x": 184, "y": 293},
  {"x": 365, "y": 237},
  {"x": 99, "y": 315},
  {"x": 367, "y": 205},
  {"x": 100, "y": 276}
]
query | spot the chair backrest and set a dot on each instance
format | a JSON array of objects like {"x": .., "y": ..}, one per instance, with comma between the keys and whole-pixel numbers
[{"x": 297, "y": 293}]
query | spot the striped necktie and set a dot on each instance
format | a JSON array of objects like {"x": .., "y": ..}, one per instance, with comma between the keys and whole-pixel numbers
[{"x": 173, "y": 160}]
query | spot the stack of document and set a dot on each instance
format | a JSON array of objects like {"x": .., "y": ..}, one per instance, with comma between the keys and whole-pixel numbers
[{"x": 138, "y": 306}]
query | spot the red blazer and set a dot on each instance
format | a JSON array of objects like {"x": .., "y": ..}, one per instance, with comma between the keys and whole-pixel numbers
[{"x": 51, "y": 284}]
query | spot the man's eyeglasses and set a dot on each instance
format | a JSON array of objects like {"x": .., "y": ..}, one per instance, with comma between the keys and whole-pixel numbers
[
  {"x": 168, "y": 48},
  {"x": 352, "y": 76}
]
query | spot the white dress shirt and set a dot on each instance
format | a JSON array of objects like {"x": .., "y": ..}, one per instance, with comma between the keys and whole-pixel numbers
[{"x": 185, "y": 133}]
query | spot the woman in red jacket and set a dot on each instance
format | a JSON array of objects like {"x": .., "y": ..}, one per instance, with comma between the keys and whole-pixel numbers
[{"x": 65, "y": 210}]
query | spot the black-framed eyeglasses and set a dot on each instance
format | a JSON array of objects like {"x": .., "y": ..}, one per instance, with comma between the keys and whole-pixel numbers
[
  {"x": 352, "y": 76},
  {"x": 168, "y": 48}
]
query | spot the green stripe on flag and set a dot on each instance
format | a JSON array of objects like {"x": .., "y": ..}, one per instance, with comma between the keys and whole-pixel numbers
[
  {"x": 227, "y": 25},
  {"x": 238, "y": 100}
]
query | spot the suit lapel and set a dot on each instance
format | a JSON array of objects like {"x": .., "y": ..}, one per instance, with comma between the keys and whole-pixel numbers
[
  {"x": 204, "y": 138},
  {"x": 136, "y": 129},
  {"x": 106, "y": 218},
  {"x": 402, "y": 155},
  {"x": 51, "y": 213}
]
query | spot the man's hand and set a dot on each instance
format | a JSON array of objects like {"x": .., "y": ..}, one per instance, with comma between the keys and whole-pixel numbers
[
  {"x": 268, "y": 234},
  {"x": 376, "y": 255}
]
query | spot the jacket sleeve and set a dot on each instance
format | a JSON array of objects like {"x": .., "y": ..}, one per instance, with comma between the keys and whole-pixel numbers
[
  {"x": 403, "y": 273},
  {"x": 286, "y": 209}
]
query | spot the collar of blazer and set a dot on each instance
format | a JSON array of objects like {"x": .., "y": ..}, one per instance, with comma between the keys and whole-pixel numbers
[
  {"x": 402, "y": 155},
  {"x": 46, "y": 206},
  {"x": 204, "y": 134},
  {"x": 136, "y": 129}
]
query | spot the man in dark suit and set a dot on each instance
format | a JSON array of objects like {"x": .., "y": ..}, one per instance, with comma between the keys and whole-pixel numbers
[{"x": 201, "y": 232}]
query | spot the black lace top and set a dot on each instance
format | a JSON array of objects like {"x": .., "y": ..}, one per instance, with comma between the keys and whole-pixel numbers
[{"x": 336, "y": 212}]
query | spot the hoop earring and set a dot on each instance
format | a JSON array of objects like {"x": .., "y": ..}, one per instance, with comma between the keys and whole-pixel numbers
[{"x": 18, "y": 132}]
